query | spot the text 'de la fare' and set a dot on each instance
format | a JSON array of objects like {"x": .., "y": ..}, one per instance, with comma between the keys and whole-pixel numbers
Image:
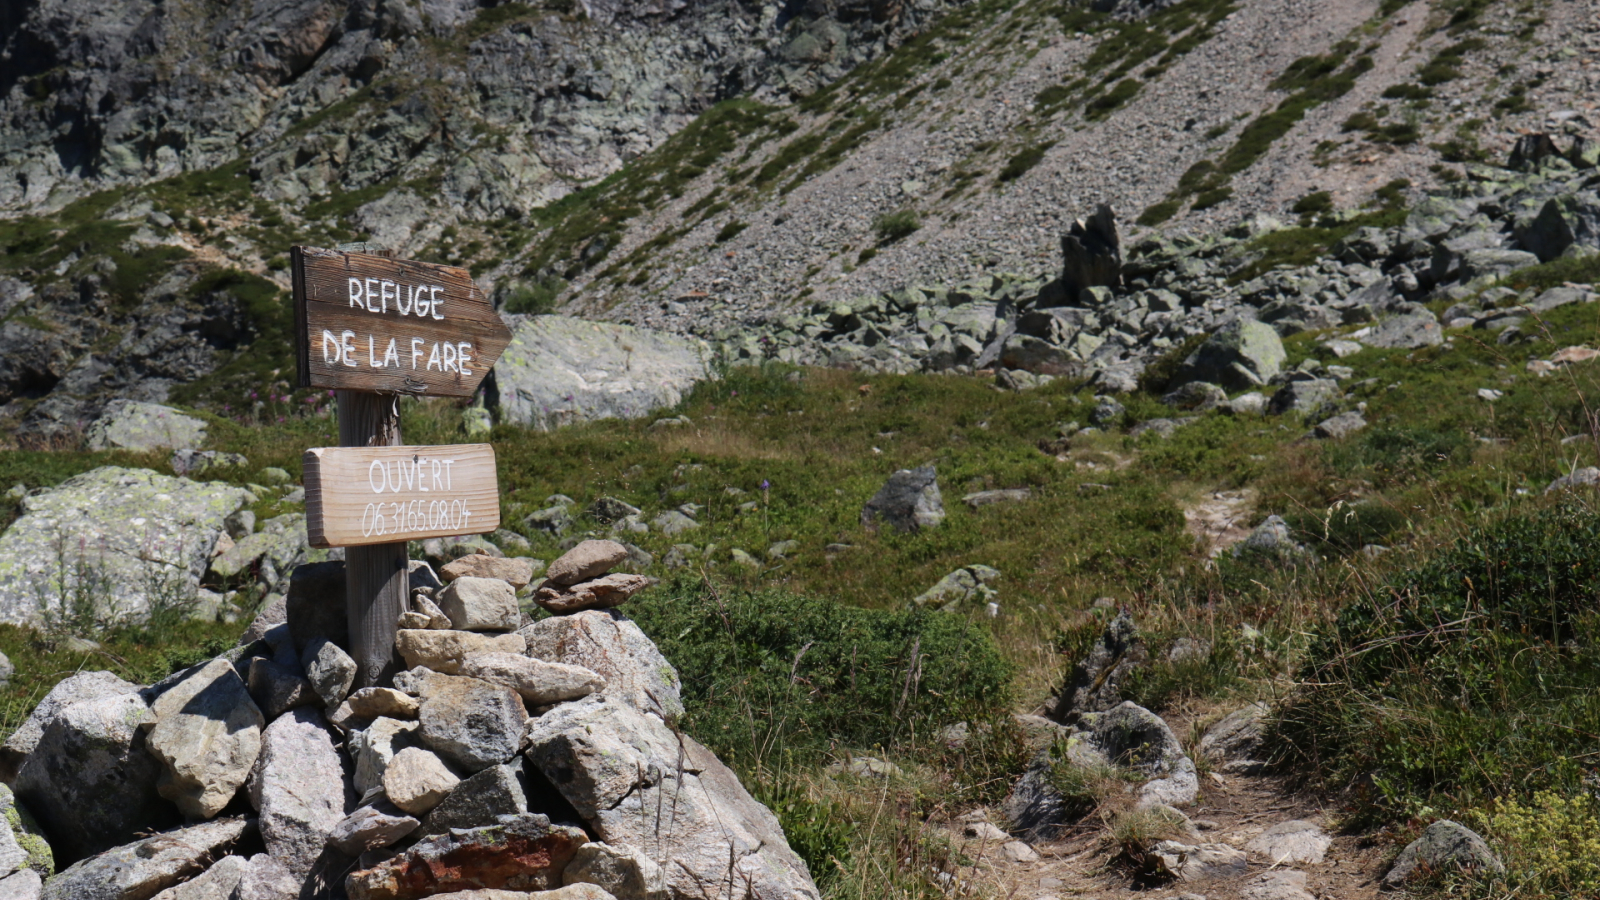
[{"x": 353, "y": 350}]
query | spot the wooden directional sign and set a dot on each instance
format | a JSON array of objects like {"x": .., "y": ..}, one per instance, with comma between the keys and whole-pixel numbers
[
  {"x": 382, "y": 495},
  {"x": 370, "y": 323}
]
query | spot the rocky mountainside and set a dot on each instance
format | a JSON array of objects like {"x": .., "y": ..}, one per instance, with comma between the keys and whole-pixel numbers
[{"x": 693, "y": 167}]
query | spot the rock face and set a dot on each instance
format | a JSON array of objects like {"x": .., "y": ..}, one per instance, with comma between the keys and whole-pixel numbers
[
  {"x": 91, "y": 780},
  {"x": 131, "y": 425},
  {"x": 207, "y": 736},
  {"x": 609, "y": 644},
  {"x": 300, "y": 788},
  {"x": 146, "y": 867},
  {"x": 1096, "y": 680},
  {"x": 114, "y": 533},
  {"x": 525, "y": 853},
  {"x": 620, "y": 769},
  {"x": 908, "y": 501},
  {"x": 560, "y": 370},
  {"x": 1444, "y": 845}
]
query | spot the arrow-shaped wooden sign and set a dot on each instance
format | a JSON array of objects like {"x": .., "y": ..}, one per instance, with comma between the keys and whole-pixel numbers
[{"x": 369, "y": 323}]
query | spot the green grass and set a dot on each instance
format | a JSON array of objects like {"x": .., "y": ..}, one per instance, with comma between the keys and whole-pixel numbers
[
  {"x": 891, "y": 227},
  {"x": 1023, "y": 160}
]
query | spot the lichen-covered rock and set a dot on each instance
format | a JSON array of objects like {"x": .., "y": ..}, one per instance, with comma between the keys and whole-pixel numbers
[
  {"x": 91, "y": 780},
  {"x": 609, "y": 644},
  {"x": 1235, "y": 743},
  {"x": 966, "y": 585},
  {"x": 637, "y": 783},
  {"x": 525, "y": 853},
  {"x": 1239, "y": 356},
  {"x": 26, "y": 834},
  {"x": 330, "y": 670},
  {"x": 128, "y": 537},
  {"x": 560, "y": 370},
  {"x": 207, "y": 736},
  {"x": 148, "y": 866},
  {"x": 300, "y": 789},
  {"x": 132, "y": 425}
]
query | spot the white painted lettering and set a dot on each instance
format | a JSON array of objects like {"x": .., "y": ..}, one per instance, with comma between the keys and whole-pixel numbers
[
  {"x": 416, "y": 351},
  {"x": 433, "y": 358},
  {"x": 355, "y": 292},
  {"x": 464, "y": 356},
  {"x": 347, "y": 349},
  {"x": 330, "y": 347},
  {"x": 377, "y": 486},
  {"x": 369, "y": 294},
  {"x": 447, "y": 464},
  {"x": 402, "y": 302},
  {"x": 391, "y": 353},
  {"x": 436, "y": 470},
  {"x": 433, "y": 291},
  {"x": 449, "y": 362},
  {"x": 386, "y": 289},
  {"x": 371, "y": 359},
  {"x": 393, "y": 477}
]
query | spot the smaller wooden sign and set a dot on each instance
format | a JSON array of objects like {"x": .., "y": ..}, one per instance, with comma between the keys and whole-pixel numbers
[
  {"x": 370, "y": 323},
  {"x": 382, "y": 495}
]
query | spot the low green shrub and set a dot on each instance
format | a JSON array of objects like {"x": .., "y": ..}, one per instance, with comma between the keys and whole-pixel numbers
[
  {"x": 766, "y": 669},
  {"x": 891, "y": 227},
  {"x": 1472, "y": 677}
]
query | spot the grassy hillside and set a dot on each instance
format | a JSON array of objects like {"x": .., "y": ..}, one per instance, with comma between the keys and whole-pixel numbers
[{"x": 809, "y": 659}]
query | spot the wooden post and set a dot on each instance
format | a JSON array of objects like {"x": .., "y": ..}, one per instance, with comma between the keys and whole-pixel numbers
[{"x": 376, "y": 576}]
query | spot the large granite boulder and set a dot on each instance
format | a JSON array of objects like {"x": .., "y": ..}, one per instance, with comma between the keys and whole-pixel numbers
[
  {"x": 1241, "y": 355},
  {"x": 69, "y": 690},
  {"x": 132, "y": 425},
  {"x": 120, "y": 534},
  {"x": 909, "y": 501},
  {"x": 91, "y": 780},
  {"x": 559, "y": 370},
  {"x": 1091, "y": 253},
  {"x": 637, "y": 783}
]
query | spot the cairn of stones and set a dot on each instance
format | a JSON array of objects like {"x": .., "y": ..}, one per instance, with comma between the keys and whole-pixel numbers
[{"x": 501, "y": 758}]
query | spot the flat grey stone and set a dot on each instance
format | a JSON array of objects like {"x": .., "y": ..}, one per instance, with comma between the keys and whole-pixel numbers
[{"x": 145, "y": 867}]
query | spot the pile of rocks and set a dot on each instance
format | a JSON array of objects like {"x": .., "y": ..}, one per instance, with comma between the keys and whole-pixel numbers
[
  {"x": 516, "y": 758},
  {"x": 1107, "y": 318}
]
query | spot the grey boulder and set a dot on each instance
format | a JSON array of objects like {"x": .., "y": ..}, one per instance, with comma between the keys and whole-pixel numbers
[
  {"x": 1096, "y": 680},
  {"x": 623, "y": 872},
  {"x": 91, "y": 780},
  {"x": 560, "y": 370},
  {"x": 496, "y": 791},
  {"x": 908, "y": 501},
  {"x": 538, "y": 682},
  {"x": 480, "y": 604},
  {"x": 1443, "y": 846},
  {"x": 609, "y": 644},
  {"x": 207, "y": 736},
  {"x": 637, "y": 783},
  {"x": 70, "y": 690},
  {"x": 371, "y": 828},
  {"x": 133, "y": 425},
  {"x": 216, "y": 883},
  {"x": 330, "y": 670},
  {"x": 1241, "y": 355},
  {"x": 470, "y": 723},
  {"x": 1406, "y": 332},
  {"x": 300, "y": 789},
  {"x": 1235, "y": 743}
]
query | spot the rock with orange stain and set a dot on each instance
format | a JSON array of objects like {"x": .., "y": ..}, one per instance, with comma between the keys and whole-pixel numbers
[{"x": 525, "y": 853}]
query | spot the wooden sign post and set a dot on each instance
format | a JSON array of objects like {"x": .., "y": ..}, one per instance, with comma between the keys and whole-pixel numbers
[{"x": 372, "y": 328}]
